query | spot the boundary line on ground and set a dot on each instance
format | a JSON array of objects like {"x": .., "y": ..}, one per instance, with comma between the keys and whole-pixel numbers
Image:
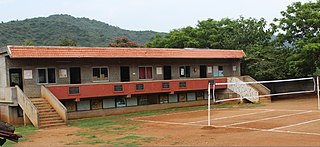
[
  {"x": 275, "y": 130},
  {"x": 232, "y": 127},
  {"x": 268, "y": 118},
  {"x": 233, "y": 116},
  {"x": 186, "y": 112},
  {"x": 297, "y": 124}
]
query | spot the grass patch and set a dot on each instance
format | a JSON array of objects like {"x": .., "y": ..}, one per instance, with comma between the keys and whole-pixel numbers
[
  {"x": 25, "y": 131},
  {"x": 93, "y": 142},
  {"x": 92, "y": 136},
  {"x": 92, "y": 123}
]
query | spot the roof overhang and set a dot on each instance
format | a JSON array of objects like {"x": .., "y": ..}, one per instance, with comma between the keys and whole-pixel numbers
[{"x": 107, "y": 52}]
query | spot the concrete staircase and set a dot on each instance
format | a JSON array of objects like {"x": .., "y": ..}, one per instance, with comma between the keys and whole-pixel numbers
[
  {"x": 48, "y": 117},
  {"x": 252, "y": 92}
]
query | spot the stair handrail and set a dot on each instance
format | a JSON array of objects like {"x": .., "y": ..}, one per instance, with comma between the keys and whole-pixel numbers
[
  {"x": 29, "y": 109},
  {"x": 55, "y": 103},
  {"x": 259, "y": 87}
]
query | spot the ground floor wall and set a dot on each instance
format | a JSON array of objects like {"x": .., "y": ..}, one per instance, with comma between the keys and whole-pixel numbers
[
  {"x": 11, "y": 114},
  {"x": 119, "y": 105},
  {"x": 104, "y": 112}
]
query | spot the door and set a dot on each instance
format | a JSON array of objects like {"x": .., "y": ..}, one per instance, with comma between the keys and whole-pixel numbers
[
  {"x": 203, "y": 71},
  {"x": 167, "y": 72},
  {"x": 75, "y": 75},
  {"x": 124, "y": 73},
  {"x": 16, "y": 77}
]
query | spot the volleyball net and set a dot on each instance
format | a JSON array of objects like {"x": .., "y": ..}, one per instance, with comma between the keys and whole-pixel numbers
[{"x": 239, "y": 90}]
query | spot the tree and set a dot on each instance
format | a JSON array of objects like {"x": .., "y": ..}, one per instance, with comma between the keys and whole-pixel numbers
[
  {"x": 300, "y": 27},
  {"x": 67, "y": 42},
  {"x": 266, "y": 62},
  {"x": 123, "y": 42},
  {"x": 263, "y": 61},
  {"x": 27, "y": 42},
  {"x": 224, "y": 34}
]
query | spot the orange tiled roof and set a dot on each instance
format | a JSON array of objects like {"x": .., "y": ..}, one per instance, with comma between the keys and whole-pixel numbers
[{"x": 99, "y": 52}]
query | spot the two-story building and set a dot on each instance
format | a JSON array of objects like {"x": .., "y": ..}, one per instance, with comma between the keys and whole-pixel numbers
[{"x": 41, "y": 83}]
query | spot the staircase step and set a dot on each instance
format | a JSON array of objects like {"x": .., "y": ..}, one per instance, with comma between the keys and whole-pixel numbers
[
  {"x": 38, "y": 99},
  {"x": 42, "y": 104},
  {"x": 51, "y": 121},
  {"x": 44, "y": 107},
  {"x": 51, "y": 125},
  {"x": 48, "y": 116},
  {"x": 44, "y": 112}
]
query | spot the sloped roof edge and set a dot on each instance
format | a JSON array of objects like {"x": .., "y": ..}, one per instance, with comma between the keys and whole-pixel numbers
[{"x": 109, "y": 52}]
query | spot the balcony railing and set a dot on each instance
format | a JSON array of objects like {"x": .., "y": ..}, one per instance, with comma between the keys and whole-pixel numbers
[{"x": 72, "y": 91}]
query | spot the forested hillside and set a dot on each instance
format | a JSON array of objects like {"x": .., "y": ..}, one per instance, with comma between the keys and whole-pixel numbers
[{"x": 50, "y": 30}]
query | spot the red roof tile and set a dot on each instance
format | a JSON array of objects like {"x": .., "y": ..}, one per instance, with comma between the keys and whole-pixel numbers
[{"x": 99, "y": 52}]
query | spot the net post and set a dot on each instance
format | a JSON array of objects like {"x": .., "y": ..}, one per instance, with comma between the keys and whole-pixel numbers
[
  {"x": 209, "y": 104},
  {"x": 318, "y": 92}
]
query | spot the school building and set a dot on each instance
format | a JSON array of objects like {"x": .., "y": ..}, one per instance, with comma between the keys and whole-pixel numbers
[{"x": 49, "y": 85}]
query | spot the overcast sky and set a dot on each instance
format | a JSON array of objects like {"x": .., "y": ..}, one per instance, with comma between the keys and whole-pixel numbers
[{"x": 157, "y": 15}]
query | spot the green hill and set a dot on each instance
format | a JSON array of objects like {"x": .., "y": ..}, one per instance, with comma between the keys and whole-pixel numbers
[{"x": 50, "y": 30}]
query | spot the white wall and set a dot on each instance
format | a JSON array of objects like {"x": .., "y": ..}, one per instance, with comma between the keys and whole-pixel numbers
[
  {"x": 243, "y": 90},
  {"x": 3, "y": 77}
]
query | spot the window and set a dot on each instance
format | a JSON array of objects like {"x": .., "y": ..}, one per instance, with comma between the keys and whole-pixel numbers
[
  {"x": 139, "y": 86},
  {"x": 83, "y": 105},
  {"x": 159, "y": 70},
  {"x": 74, "y": 90},
  {"x": 143, "y": 100},
  {"x": 165, "y": 85},
  {"x": 182, "y": 97},
  {"x": 118, "y": 88},
  {"x": 182, "y": 84},
  {"x": 100, "y": 73},
  {"x": 42, "y": 76},
  {"x": 218, "y": 71},
  {"x": 51, "y": 75},
  {"x": 164, "y": 99},
  {"x": 132, "y": 101},
  {"x": 47, "y": 75},
  {"x": 185, "y": 71},
  {"x": 191, "y": 96},
  {"x": 70, "y": 105},
  {"x": 145, "y": 72},
  {"x": 121, "y": 102},
  {"x": 108, "y": 103},
  {"x": 148, "y": 99},
  {"x": 199, "y": 95},
  {"x": 96, "y": 104}
]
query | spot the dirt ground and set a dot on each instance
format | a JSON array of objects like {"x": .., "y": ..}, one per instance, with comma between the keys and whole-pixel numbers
[{"x": 293, "y": 121}]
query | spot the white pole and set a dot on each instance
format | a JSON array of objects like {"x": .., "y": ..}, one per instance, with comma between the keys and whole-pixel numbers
[
  {"x": 318, "y": 92},
  {"x": 213, "y": 89},
  {"x": 209, "y": 105}
]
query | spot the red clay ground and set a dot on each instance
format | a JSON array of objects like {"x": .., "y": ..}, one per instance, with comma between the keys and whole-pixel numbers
[{"x": 284, "y": 122}]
